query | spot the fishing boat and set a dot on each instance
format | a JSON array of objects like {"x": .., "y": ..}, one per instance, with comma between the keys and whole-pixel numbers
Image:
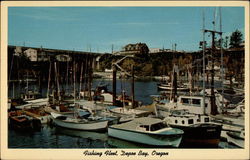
[
  {"x": 127, "y": 111},
  {"x": 60, "y": 109},
  {"x": 127, "y": 114},
  {"x": 237, "y": 138},
  {"x": 169, "y": 88},
  {"x": 198, "y": 129},
  {"x": 20, "y": 121},
  {"x": 146, "y": 130},
  {"x": 72, "y": 122},
  {"x": 30, "y": 95},
  {"x": 38, "y": 113}
]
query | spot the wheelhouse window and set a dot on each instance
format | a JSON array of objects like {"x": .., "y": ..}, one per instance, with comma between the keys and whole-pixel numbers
[
  {"x": 206, "y": 119},
  {"x": 145, "y": 126},
  {"x": 190, "y": 121},
  {"x": 185, "y": 100},
  {"x": 196, "y": 102},
  {"x": 158, "y": 126}
]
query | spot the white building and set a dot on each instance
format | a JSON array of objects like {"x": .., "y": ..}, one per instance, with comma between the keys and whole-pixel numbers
[
  {"x": 18, "y": 51},
  {"x": 154, "y": 50}
]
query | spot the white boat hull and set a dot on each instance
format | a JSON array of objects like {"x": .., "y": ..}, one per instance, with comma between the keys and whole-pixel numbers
[
  {"x": 88, "y": 126},
  {"x": 170, "y": 88},
  {"x": 123, "y": 111},
  {"x": 144, "y": 138},
  {"x": 236, "y": 141}
]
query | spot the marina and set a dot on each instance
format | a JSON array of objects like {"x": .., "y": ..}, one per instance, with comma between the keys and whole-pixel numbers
[{"x": 54, "y": 136}]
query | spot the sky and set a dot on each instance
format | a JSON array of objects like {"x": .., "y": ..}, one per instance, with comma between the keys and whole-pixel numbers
[{"x": 98, "y": 28}]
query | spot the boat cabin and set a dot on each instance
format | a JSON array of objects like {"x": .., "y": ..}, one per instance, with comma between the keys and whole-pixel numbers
[
  {"x": 153, "y": 127},
  {"x": 183, "y": 118},
  {"x": 30, "y": 95},
  {"x": 194, "y": 104}
]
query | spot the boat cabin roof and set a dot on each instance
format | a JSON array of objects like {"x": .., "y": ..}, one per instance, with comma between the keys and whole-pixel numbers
[
  {"x": 192, "y": 97},
  {"x": 145, "y": 121}
]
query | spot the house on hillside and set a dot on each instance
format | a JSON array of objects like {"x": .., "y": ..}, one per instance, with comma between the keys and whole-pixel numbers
[{"x": 134, "y": 49}]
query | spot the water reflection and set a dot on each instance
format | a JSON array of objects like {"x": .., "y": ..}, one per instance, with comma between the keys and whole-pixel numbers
[{"x": 83, "y": 134}]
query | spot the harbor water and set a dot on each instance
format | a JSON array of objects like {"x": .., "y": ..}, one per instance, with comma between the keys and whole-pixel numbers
[{"x": 51, "y": 136}]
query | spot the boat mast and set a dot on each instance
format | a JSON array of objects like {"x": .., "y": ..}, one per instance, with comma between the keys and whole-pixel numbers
[
  {"x": 74, "y": 68},
  {"x": 27, "y": 82},
  {"x": 81, "y": 81},
  {"x": 203, "y": 65},
  {"x": 212, "y": 96},
  {"x": 67, "y": 77},
  {"x": 222, "y": 69},
  {"x": 133, "y": 87},
  {"x": 114, "y": 84},
  {"x": 49, "y": 79},
  {"x": 13, "y": 85},
  {"x": 90, "y": 78},
  {"x": 57, "y": 82}
]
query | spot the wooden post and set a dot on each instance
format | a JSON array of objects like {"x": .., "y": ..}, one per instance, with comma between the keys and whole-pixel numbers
[{"x": 114, "y": 85}]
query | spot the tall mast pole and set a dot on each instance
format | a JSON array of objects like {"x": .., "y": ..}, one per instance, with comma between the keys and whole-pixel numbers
[
  {"x": 67, "y": 77},
  {"x": 74, "y": 70},
  {"x": 213, "y": 49},
  {"x": 133, "y": 88},
  {"x": 222, "y": 69},
  {"x": 49, "y": 79},
  {"x": 203, "y": 48},
  {"x": 57, "y": 82},
  {"x": 114, "y": 84},
  {"x": 27, "y": 82},
  {"x": 212, "y": 96},
  {"x": 81, "y": 81}
]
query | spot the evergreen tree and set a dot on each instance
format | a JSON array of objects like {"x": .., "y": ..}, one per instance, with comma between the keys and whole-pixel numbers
[{"x": 235, "y": 39}]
